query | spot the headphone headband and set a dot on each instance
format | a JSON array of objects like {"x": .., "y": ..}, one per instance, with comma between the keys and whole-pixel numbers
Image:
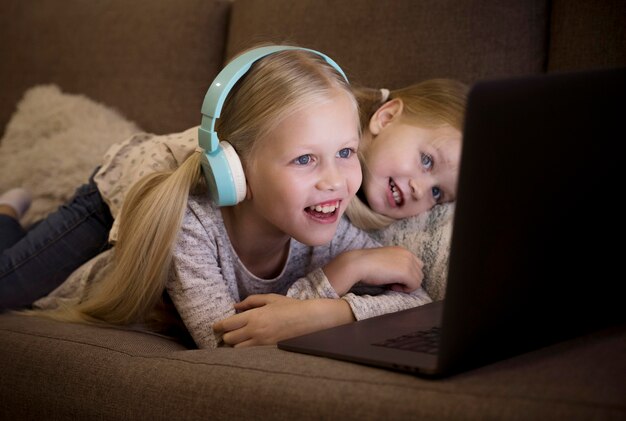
[
  {"x": 221, "y": 166},
  {"x": 226, "y": 79}
]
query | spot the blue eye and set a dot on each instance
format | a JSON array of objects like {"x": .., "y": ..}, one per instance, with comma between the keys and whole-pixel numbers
[
  {"x": 436, "y": 193},
  {"x": 302, "y": 160},
  {"x": 427, "y": 160},
  {"x": 345, "y": 153}
]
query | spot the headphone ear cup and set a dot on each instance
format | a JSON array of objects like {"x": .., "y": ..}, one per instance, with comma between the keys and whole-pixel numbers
[
  {"x": 236, "y": 169},
  {"x": 224, "y": 175}
]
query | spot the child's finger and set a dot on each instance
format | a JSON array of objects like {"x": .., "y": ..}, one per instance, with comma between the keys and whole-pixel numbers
[
  {"x": 253, "y": 301},
  {"x": 236, "y": 337},
  {"x": 230, "y": 323},
  {"x": 247, "y": 343}
]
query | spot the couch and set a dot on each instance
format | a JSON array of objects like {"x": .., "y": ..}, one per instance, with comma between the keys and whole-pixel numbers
[{"x": 153, "y": 61}]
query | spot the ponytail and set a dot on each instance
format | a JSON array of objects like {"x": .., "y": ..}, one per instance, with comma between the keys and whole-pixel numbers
[{"x": 142, "y": 257}]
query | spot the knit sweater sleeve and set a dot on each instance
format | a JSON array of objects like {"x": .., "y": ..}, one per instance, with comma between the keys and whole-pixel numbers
[
  {"x": 365, "y": 301},
  {"x": 199, "y": 291},
  {"x": 314, "y": 285},
  {"x": 366, "y": 306}
]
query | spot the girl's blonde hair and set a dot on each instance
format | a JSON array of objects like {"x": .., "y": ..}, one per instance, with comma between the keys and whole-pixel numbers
[
  {"x": 431, "y": 103},
  {"x": 132, "y": 291}
]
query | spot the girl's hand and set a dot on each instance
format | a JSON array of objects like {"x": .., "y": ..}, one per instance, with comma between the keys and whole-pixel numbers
[
  {"x": 393, "y": 266},
  {"x": 266, "y": 319}
]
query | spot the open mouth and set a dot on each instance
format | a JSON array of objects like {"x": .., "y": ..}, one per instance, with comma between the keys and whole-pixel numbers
[
  {"x": 324, "y": 210},
  {"x": 396, "y": 193}
]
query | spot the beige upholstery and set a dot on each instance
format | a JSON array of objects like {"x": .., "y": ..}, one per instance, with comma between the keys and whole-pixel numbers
[
  {"x": 51, "y": 371},
  {"x": 396, "y": 43},
  {"x": 150, "y": 59}
]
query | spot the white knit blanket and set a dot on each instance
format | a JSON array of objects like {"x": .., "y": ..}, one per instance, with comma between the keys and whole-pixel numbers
[
  {"x": 55, "y": 140},
  {"x": 52, "y": 144}
]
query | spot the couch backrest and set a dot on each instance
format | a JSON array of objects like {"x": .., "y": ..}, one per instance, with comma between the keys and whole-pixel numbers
[
  {"x": 153, "y": 60},
  {"x": 587, "y": 34},
  {"x": 395, "y": 43}
]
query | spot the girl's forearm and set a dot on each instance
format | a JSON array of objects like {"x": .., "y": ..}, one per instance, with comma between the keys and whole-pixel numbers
[
  {"x": 319, "y": 314},
  {"x": 341, "y": 273},
  {"x": 393, "y": 266},
  {"x": 331, "y": 312}
]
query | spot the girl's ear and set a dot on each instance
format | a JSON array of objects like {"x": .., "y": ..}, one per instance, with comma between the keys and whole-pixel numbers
[{"x": 385, "y": 114}]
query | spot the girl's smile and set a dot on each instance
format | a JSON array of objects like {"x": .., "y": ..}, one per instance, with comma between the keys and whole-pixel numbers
[
  {"x": 325, "y": 213},
  {"x": 395, "y": 196}
]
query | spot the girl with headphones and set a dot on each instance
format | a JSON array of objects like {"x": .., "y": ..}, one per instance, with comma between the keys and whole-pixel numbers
[{"x": 286, "y": 235}]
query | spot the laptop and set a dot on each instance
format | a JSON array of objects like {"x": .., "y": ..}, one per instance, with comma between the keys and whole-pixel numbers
[{"x": 536, "y": 254}]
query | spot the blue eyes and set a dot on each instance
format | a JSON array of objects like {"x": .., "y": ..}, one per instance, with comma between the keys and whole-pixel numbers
[
  {"x": 302, "y": 160},
  {"x": 428, "y": 163},
  {"x": 344, "y": 153},
  {"x": 427, "y": 160},
  {"x": 436, "y": 193}
]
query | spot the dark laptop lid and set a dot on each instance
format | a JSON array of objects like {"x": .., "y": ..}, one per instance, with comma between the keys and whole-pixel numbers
[{"x": 538, "y": 233}]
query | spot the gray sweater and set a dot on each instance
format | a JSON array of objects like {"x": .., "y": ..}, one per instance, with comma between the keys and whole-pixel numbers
[{"x": 211, "y": 278}]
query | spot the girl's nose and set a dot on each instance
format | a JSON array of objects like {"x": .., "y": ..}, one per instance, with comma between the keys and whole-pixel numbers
[
  {"x": 331, "y": 179},
  {"x": 417, "y": 189}
]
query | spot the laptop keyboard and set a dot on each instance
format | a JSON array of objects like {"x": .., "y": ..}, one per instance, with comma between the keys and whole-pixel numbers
[{"x": 419, "y": 341}]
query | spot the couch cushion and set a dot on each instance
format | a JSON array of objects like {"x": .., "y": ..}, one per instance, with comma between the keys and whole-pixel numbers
[
  {"x": 52, "y": 370},
  {"x": 587, "y": 34},
  {"x": 113, "y": 52},
  {"x": 393, "y": 44}
]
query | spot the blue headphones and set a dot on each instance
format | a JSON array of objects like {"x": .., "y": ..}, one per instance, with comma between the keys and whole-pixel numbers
[{"x": 222, "y": 167}]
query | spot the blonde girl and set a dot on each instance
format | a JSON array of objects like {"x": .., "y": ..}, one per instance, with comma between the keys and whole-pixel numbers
[
  {"x": 284, "y": 254},
  {"x": 410, "y": 150}
]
